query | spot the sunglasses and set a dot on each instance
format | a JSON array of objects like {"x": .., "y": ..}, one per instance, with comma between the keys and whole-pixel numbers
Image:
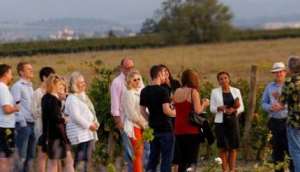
[{"x": 136, "y": 79}]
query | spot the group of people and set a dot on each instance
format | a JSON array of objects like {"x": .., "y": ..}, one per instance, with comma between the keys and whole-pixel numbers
[
  {"x": 58, "y": 119},
  {"x": 165, "y": 105},
  {"x": 54, "y": 120},
  {"x": 281, "y": 100}
]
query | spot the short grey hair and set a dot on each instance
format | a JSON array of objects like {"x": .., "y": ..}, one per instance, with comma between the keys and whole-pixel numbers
[
  {"x": 294, "y": 64},
  {"x": 73, "y": 80}
]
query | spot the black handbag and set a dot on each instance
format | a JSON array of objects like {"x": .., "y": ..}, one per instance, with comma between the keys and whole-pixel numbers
[{"x": 195, "y": 118}]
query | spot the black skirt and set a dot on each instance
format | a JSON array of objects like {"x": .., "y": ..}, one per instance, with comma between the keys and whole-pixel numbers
[
  {"x": 228, "y": 132},
  {"x": 57, "y": 149},
  {"x": 186, "y": 148}
]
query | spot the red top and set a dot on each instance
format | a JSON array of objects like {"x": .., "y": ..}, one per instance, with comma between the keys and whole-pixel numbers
[{"x": 182, "y": 123}]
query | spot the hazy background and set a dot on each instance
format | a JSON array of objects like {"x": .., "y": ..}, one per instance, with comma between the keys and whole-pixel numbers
[
  {"x": 22, "y": 19},
  {"x": 130, "y": 11}
]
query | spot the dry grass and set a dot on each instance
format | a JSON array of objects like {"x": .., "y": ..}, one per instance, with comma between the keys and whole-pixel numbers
[{"x": 208, "y": 59}]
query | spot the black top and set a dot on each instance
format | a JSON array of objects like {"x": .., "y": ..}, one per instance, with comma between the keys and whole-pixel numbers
[
  {"x": 52, "y": 119},
  {"x": 228, "y": 100},
  {"x": 174, "y": 84},
  {"x": 153, "y": 97}
]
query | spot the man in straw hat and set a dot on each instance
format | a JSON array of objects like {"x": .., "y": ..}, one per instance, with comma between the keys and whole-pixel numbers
[{"x": 277, "y": 114}]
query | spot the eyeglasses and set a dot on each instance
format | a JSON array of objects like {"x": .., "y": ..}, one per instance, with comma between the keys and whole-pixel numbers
[{"x": 136, "y": 79}]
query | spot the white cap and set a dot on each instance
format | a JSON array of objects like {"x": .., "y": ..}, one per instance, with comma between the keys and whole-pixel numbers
[{"x": 278, "y": 66}]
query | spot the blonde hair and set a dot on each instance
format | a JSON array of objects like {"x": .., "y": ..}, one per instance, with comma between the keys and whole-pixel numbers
[
  {"x": 129, "y": 77},
  {"x": 73, "y": 80},
  {"x": 52, "y": 81}
]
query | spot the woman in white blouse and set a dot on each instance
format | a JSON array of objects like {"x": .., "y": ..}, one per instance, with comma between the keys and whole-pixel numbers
[
  {"x": 83, "y": 124},
  {"x": 134, "y": 121},
  {"x": 37, "y": 114},
  {"x": 226, "y": 103}
]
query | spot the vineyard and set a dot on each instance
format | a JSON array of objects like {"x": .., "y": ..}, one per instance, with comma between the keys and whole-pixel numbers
[{"x": 137, "y": 42}]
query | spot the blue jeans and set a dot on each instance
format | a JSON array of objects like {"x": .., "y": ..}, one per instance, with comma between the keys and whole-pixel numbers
[
  {"x": 128, "y": 151},
  {"x": 25, "y": 142},
  {"x": 162, "y": 146},
  {"x": 294, "y": 146},
  {"x": 146, "y": 153}
]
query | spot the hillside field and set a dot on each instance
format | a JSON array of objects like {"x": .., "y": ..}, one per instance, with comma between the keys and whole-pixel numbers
[{"x": 207, "y": 59}]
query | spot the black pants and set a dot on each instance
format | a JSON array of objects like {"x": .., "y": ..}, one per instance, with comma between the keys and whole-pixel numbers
[
  {"x": 186, "y": 150},
  {"x": 279, "y": 140}
]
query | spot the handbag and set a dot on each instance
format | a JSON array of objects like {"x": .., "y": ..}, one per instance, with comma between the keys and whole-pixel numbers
[{"x": 195, "y": 118}]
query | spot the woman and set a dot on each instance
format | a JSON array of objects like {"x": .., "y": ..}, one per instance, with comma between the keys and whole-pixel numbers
[
  {"x": 170, "y": 84},
  {"x": 57, "y": 143},
  {"x": 227, "y": 103},
  {"x": 8, "y": 108},
  {"x": 37, "y": 113},
  {"x": 187, "y": 99},
  {"x": 83, "y": 124},
  {"x": 134, "y": 122}
]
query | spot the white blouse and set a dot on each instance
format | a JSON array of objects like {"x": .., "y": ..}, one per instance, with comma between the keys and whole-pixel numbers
[
  {"x": 80, "y": 120},
  {"x": 131, "y": 107},
  {"x": 216, "y": 100}
]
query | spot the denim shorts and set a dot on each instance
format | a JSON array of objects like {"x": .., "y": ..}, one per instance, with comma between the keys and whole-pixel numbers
[{"x": 7, "y": 144}]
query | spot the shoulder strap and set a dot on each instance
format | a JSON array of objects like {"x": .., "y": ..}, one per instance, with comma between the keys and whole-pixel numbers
[{"x": 192, "y": 102}]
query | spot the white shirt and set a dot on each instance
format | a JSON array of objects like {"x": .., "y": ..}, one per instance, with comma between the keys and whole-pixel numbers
[
  {"x": 6, "y": 120},
  {"x": 36, "y": 108},
  {"x": 216, "y": 100},
  {"x": 22, "y": 91},
  {"x": 132, "y": 114},
  {"x": 80, "y": 120},
  {"x": 116, "y": 90}
]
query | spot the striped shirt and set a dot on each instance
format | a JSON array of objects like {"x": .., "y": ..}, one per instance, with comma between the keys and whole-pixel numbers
[{"x": 80, "y": 120}]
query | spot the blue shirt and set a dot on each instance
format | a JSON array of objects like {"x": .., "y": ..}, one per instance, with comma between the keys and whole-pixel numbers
[
  {"x": 270, "y": 97},
  {"x": 22, "y": 92}
]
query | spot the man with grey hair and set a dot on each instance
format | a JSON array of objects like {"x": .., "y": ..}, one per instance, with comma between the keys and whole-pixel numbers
[{"x": 290, "y": 96}]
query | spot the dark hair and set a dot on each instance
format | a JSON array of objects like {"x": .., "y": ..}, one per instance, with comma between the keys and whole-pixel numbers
[
  {"x": 3, "y": 69},
  {"x": 165, "y": 67},
  {"x": 294, "y": 64},
  {"x": 222, "y": 73},
  {"x": 154, "y": 71},
  {"x": 190, "y": 79},
  {"x": 20, "y": 66},
  {"x": 45, "y": 72}
]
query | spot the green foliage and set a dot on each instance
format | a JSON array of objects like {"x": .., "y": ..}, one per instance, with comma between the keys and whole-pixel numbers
[
  {"x": 99, "y": 93},
  {"x": 213, "y": 165},
  {"x": 142, "y": 41},
  {"x": 111, "y": 168},
  {"x": 193, "y": 21},
  {"x": 148, "y": 134},
  {"x": 149, "y": 26},
  {"x": 269, "y": 166},
  {"x": 74, "y": 46}
]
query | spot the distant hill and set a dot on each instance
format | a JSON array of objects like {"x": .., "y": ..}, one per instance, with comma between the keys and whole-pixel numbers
[
  {"x": 259, "y": 22},
  {"x": 42, "y": 29}
]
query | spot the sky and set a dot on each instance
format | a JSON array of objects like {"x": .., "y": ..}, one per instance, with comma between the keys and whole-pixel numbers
[{"x": 128, "y": 11}]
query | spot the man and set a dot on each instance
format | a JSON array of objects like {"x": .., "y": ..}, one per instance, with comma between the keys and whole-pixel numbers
[
  {"x": 116, "y": 90},
  {"x": 156, "y": 99},
  {"x": 290, "y": 96},
  {"x": 7, "y": 119},
  {"x": 277, "y": 113},
  {"x": 22, "y": 92}
]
